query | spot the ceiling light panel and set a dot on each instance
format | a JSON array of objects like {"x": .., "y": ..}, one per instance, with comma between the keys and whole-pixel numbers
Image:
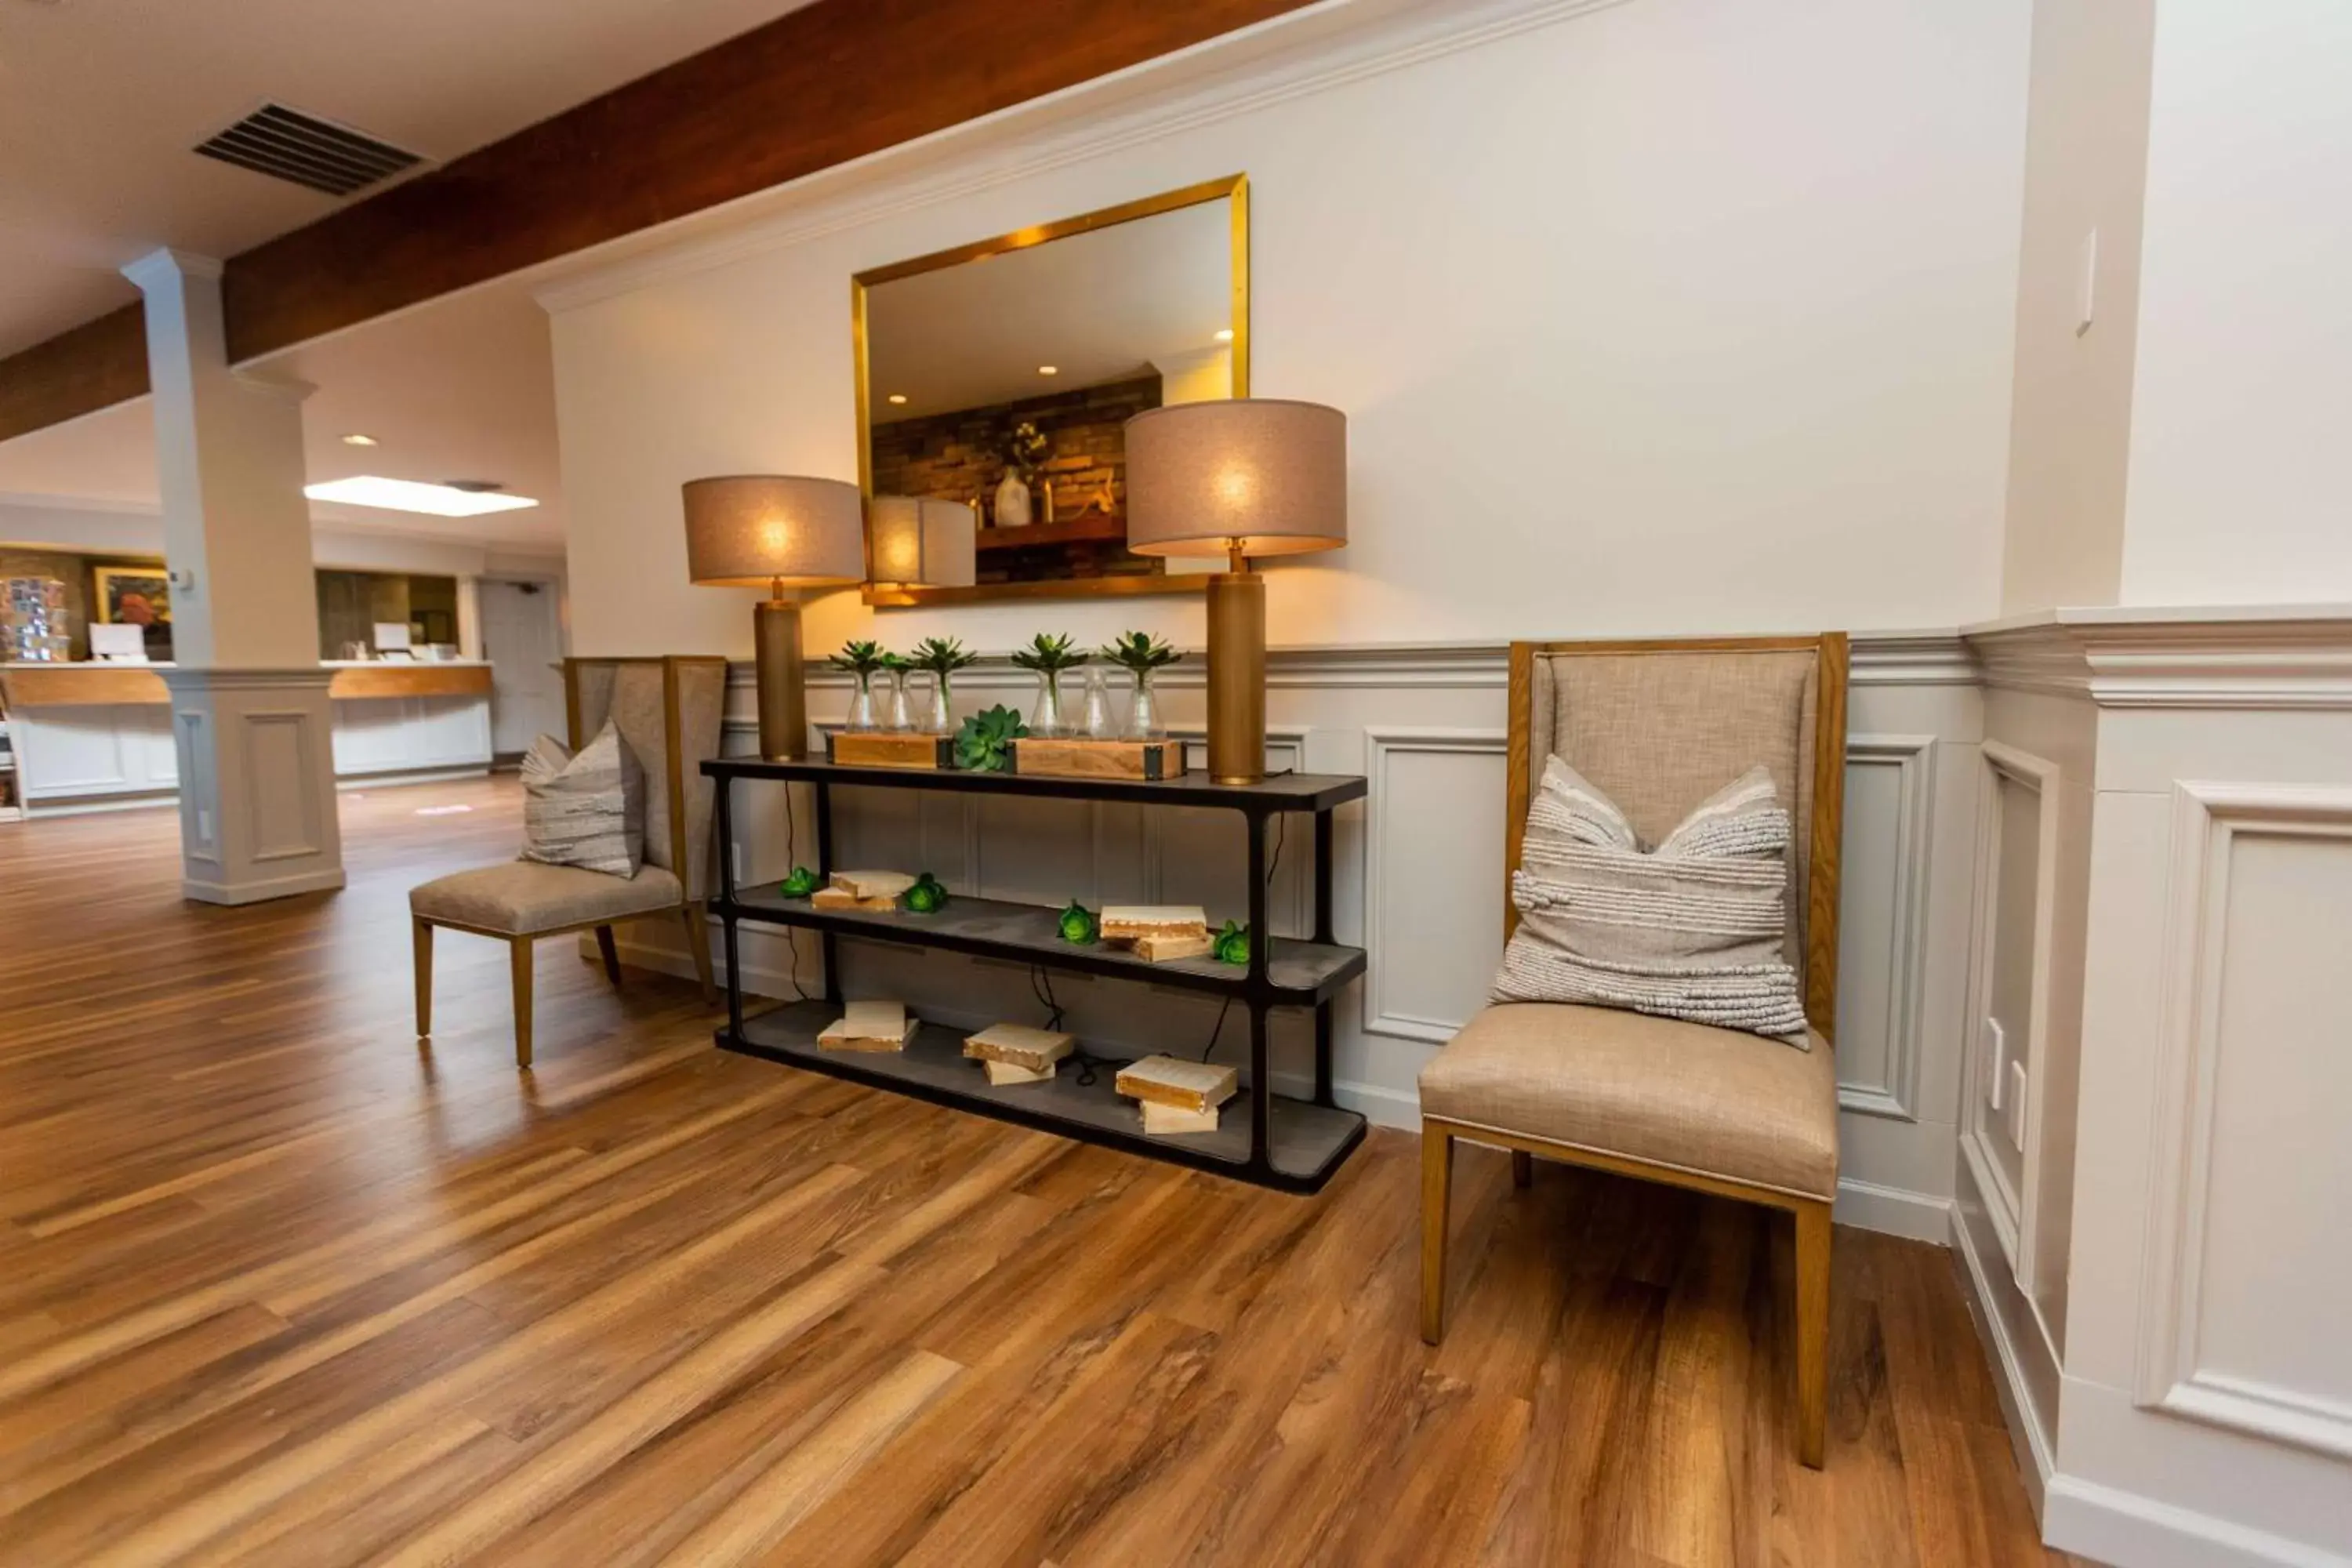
[{"x": 408, "y": 495}]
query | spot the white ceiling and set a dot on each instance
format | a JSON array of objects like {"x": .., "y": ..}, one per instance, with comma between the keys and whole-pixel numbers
[
  {"x": 463, "y": 388},
  {"x": 100, "y": 101},
  {"x": 1097, "y": 306}
]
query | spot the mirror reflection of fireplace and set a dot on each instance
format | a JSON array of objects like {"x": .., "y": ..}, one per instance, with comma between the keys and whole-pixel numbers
[{"x": 1005, "y": 387}]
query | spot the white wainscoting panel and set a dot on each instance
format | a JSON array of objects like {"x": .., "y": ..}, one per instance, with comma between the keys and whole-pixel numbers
[
  {"x": 1433, "y": 922},
  {"x": 2249, "y": 1262},
  {"x": 1890, "y": 792}
]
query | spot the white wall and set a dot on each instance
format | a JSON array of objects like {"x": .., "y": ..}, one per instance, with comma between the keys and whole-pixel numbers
[
  {"x": 2070, "y": 418},
  {"x": 1680, "y": 314},
  {"x": 2240, "y": 471}
]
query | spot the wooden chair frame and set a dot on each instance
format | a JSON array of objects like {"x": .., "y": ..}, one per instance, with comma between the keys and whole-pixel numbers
[
  {"x": 1812, "y": 1215},
  {"x": 694, "y": 913}
]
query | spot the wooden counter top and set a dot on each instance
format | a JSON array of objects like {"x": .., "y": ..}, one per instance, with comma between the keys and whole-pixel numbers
[{"x": 93, "y": 685}]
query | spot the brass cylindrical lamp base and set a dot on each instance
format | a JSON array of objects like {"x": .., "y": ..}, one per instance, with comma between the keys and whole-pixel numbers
[
  {"x": 1237, "y": 678},
  {"x": 784, "y": 688}
]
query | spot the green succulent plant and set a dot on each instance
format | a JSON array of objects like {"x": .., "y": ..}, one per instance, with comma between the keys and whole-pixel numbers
[
  {"x": 1078, "y": 924},
  {"x": 980, "y": 745},
  {"x": 1050, "y": 654},
  {"x": 926, "y": 896},
  {"x": 942, "y": 655},
  {"x": 1139, "y": 651},
  {"x": 860, "y": 658},
  {"x": 1231, "y": 945},
  {"x": 800, "y": 884},
  {"x": 896, "y": 663}
]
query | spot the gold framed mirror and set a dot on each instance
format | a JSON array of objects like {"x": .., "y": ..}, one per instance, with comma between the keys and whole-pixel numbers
[{"x": 999, "y": 375}]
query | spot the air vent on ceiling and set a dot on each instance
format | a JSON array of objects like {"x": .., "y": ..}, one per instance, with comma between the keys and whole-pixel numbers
[{"x": 278, "y": 140}]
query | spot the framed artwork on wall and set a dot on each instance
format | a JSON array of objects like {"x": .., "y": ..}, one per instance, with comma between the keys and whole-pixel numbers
[{"x": 131, "y": 596}]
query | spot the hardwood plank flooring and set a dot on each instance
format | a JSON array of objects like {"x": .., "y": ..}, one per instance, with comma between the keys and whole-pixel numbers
[{"x": 280, "y": 1284}]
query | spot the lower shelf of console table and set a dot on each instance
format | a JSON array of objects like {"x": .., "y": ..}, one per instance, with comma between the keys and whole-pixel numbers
[{"x": 1307, "y": 1142}]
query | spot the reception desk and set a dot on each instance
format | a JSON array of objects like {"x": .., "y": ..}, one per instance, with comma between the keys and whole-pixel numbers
[{"x": 95, "y": 736}]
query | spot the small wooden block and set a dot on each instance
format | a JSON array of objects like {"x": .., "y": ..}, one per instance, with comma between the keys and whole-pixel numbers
[
  {"x": 1161, "y": 1120},
  {"x": 1160, "y": 949},
  {"x": 1126, "y": 922},
  {"x": 837, "y": 899},
  {"x": 870, "y": 1026},
  {"x": 871, "y": 884},
  {"x": 864, "y": 749},
  {"x": 1097, "y": 759},
  {"x": 1000, "y": 1073},
  {"x": 1020, "y": 1045},
  {"x": 1171, "y": 1080}
]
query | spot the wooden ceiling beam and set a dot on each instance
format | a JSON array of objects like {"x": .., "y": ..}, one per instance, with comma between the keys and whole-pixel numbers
[{"x": 818, "y": 87}]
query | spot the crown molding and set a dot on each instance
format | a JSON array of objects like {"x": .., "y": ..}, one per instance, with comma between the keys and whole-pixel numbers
[
  {"x": 2251, "y": 657},
  {"x": 1303, "y": 53}
]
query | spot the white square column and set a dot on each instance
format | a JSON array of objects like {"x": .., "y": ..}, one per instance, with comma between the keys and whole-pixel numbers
[{"x": 251, "y": 720}]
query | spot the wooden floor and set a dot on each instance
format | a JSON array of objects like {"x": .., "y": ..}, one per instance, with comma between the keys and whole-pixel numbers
[{"x": 277, "y": 1285}]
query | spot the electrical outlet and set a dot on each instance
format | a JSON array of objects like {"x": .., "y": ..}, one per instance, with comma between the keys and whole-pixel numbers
[
  {"x": 1996, "y": 1057},
  {"x": 2015, "y": 1111},
  {"x": 735, "y": 859}
]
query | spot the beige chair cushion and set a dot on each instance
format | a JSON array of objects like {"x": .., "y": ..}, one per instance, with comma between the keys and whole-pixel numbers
[
  {"x": 523, "y": 897},
  {"x": 1690, "y": 1097}
]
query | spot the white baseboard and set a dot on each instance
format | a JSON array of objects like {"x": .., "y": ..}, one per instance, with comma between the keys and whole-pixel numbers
[
  {"x": 1919, "y": 1216},
  {"x": 2135, "y": 1531},
  {"x": 2035, "y": 1461},
  {"x": 396, "y": 779},
  {"x": 258, "y": 892}
]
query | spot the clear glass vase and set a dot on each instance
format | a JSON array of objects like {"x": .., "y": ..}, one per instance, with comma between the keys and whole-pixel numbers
[
  {"x": 900, "y": 713},
  {"x": 1097, "y": 724},
  {"x": 1143, "y": 713},
  {"x": 861, "y": 705},
  {"x": 1046, "y": 716},
  {"x": 938, "y": 720}
]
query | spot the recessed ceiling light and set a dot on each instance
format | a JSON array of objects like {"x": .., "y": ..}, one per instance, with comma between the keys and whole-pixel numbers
[
  {"x": 1049, "y": 370},
  {"x": 897, "y": 398},
  {"x": 1224, "y": 334},
  {"x": 407, "y": 495},
  {"x": 356, "y": 439}
]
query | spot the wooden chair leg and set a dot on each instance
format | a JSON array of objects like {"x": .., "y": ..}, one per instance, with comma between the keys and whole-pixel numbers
[
  {"x": 519, "y": 951},
  {"x": 1813, "y": 1330},
  {"x": 1436, "y": 1193},
  {"x": 1523, "y": 1168},
  {"x": 611, "y": 953},
  {"x": 697, "y": 942},
  {"x": 423, "y": 933}
]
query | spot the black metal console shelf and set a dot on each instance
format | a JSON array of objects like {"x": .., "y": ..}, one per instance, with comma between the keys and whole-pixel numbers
[{"x": 1272, "y": 1140}]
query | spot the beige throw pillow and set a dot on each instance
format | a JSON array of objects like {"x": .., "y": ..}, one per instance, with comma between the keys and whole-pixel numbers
[
  {"x": 587, "y": 810},
  {"x": 1694, "y": 929}
]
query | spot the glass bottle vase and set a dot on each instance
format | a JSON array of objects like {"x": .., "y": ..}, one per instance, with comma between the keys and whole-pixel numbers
[
  {"x": 1097, "y": 724},
  {"x": 1143, "y": 713},
  {"x": 1046, "y": 716},
  {"x": 900, "y": 713},
  {"x": 861, "y": 705},
  {"x": 938, "y": 720}
]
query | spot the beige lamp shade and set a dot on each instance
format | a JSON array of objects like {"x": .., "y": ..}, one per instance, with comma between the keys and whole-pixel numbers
[
  {"x": 923, "y": 541},
  {"x": 752, "y": 531},
  {"x": 1265, "y": 473}
]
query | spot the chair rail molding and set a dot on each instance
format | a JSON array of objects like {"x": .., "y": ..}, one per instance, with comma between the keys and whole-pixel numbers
[
  {"x": 2210, "y": 821},
  {"x": 1902, "y": 1019},
  {"x": 2234, "y": 656}
]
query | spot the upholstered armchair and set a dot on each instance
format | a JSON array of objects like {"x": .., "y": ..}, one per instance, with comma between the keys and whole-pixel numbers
[
  {"x": 667, "y": 711},
  {"x": 1659, "y": 726}
]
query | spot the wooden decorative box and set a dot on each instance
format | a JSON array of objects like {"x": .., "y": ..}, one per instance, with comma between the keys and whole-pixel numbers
[
  {"x": 863, "y": 749},
  {"x": 1097, "y": 759}
]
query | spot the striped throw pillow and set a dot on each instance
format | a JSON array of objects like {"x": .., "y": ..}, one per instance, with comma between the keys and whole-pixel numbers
[
  {"x": 587, "y": 810},
  {"x": 1694, "y": 929}
]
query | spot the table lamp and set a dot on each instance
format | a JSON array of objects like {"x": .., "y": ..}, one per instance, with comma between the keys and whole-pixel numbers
[
  {"x": 766, "y": 530},
  {"x": 922, "y": 542},
  {"x": 1243, "y": 476}
]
